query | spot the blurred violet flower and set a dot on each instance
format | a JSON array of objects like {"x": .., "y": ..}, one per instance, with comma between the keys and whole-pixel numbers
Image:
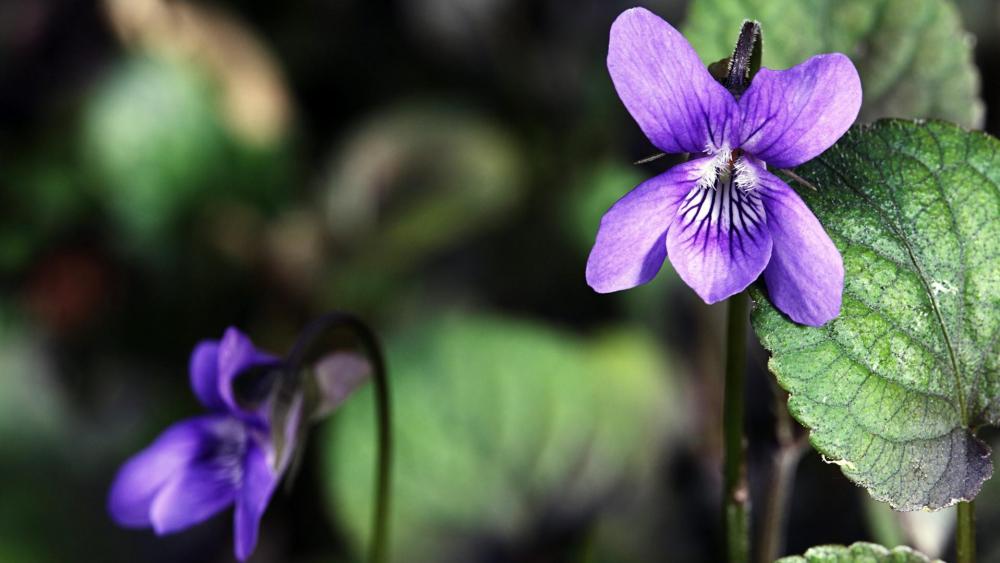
[
  {"x": 721, "y": 217},
  {"x": 202, "y": 465}
]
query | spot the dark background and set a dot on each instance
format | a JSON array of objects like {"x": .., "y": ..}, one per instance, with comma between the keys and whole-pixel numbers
[{"x": 170, "y": 168}]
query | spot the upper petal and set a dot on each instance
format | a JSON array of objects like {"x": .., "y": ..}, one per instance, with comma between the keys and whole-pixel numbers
[
  {"x": 665, "y": 86},
  {"x": 630, "y": 247},
  {"x": 805, "y": 278},
  {"x": 144, "y": 475},
  {"x": 204, "y": 373},
  {"x": 791, "y": 116},
  {"x": 237, "y": 353},
  {"x": 206, "y": 485},
  {"x": 258, "y": 486},
  {"x": 719, "y": 241}
]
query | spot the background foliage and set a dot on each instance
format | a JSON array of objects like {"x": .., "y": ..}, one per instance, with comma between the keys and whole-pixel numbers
[{"x": 169, "y": 168}]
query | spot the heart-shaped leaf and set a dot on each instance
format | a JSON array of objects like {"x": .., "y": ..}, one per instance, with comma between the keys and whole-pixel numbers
[
  {"x": 860, "y": 552},
  {"x": 894, "y": 387},
  {"x": 914, "y": 58}
]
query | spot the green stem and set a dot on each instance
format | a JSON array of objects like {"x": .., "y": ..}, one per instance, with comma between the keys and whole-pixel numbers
[
  {"x": 736, "y": 494},
  {"x": 383, "y": 413},
  {"x": 786, "y": 460},
  {"x": 965, "y": 534},
  {"x": 378, "y": 550}
]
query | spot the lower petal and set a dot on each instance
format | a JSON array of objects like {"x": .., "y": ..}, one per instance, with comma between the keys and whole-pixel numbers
[
  {"x": 630, "y": 249},
  {"x": 258, "y": 486},
  {"x": 719, "y": 241},
  {"x": 143, "y": 476},
  {"x": 805, "y": 278},
  {"x": 208, "y": 484}
]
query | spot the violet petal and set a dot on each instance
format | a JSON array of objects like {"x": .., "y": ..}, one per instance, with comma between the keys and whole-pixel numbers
[
  {"x": 258, "y": 485},
  {"x": 236, "y": 353},
  {"x": 805, "y": 278},
  {"x": 206, "y": 485},
  {"x": 791, "y": 116},
  {"x": 719, "y": 241},
  {"x": 666, "y": 87},
  {"x": 146, "y": 473},
  {"x": 204, "y": 372},
  {"x": 630, "y": 246}
]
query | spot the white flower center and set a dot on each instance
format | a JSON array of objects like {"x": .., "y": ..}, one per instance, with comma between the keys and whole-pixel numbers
[{"x": 727, "y": 166}]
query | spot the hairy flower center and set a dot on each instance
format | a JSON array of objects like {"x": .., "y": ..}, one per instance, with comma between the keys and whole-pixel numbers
[
  {"x": 734, "y": 156},
  {"x": 728, "y": 165}
]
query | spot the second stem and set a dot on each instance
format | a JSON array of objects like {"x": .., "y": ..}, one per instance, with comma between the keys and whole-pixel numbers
[
  {"x": 965, "y": 533},
  {"x": 736, "y": 494}
]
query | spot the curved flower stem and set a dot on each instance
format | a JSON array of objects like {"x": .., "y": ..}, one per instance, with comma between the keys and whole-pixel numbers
[
  {"x": 736, "y": 494},
  {"x": 965, "y": 534},
  {"x": 378, "y": 549}
]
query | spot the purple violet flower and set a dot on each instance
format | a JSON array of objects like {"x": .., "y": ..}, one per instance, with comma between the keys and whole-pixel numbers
[
  {"x": 721, "y": 217},
  {"x": 202, "y": 465}
]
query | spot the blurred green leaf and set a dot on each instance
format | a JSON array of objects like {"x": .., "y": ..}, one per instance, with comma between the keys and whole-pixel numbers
[
  {"x": 494, "y": 418},
  {"x": 416, "y": 180},
  {"x": 153, "y": 136},
  {"x": 894, "y": 387},
  {"x": 32, "y": 408},
  {"x": 914, "y": 58},
  {"x": 47, "y": 200},
  {"x": 883, "y": 523},
  {"x": 859, "y": 552},
  {"x": 156, "y": 146}
]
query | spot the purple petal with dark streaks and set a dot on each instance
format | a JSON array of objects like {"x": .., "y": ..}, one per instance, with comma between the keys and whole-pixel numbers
[
  {"x": 719, "y": 241},
  {"x": 791, "y": 116},
  {"x": 666, "y": 88},
  {"x": 630, "y": 246},
  {"x": 805, "y": 278}
]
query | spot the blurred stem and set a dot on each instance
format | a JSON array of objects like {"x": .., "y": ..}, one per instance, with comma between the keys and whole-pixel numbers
[
  {"x": 586, "y": 552},
  {"x": 883, "y": 523},
  {"x": 736, "y": 494},
  {"x": 378, "y": 550},
  {"x": 786, "y": 459},
  {"x": 965, "y": 534},
  {"x": 379, "y": 547}
]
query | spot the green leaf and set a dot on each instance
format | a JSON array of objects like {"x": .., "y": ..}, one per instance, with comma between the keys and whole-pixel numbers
[
  {"x": 894, "y": 387},
  {"x": 151, "y": 136},
  {"x": 494, "y": 419},
  {"x": 415, "y": 180},
  {"x": 32, "y": 406},
  {"x": 859, "y": 552},
  {"x": 154, "y": 146},
  {"x": 914, "y": 58}
]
